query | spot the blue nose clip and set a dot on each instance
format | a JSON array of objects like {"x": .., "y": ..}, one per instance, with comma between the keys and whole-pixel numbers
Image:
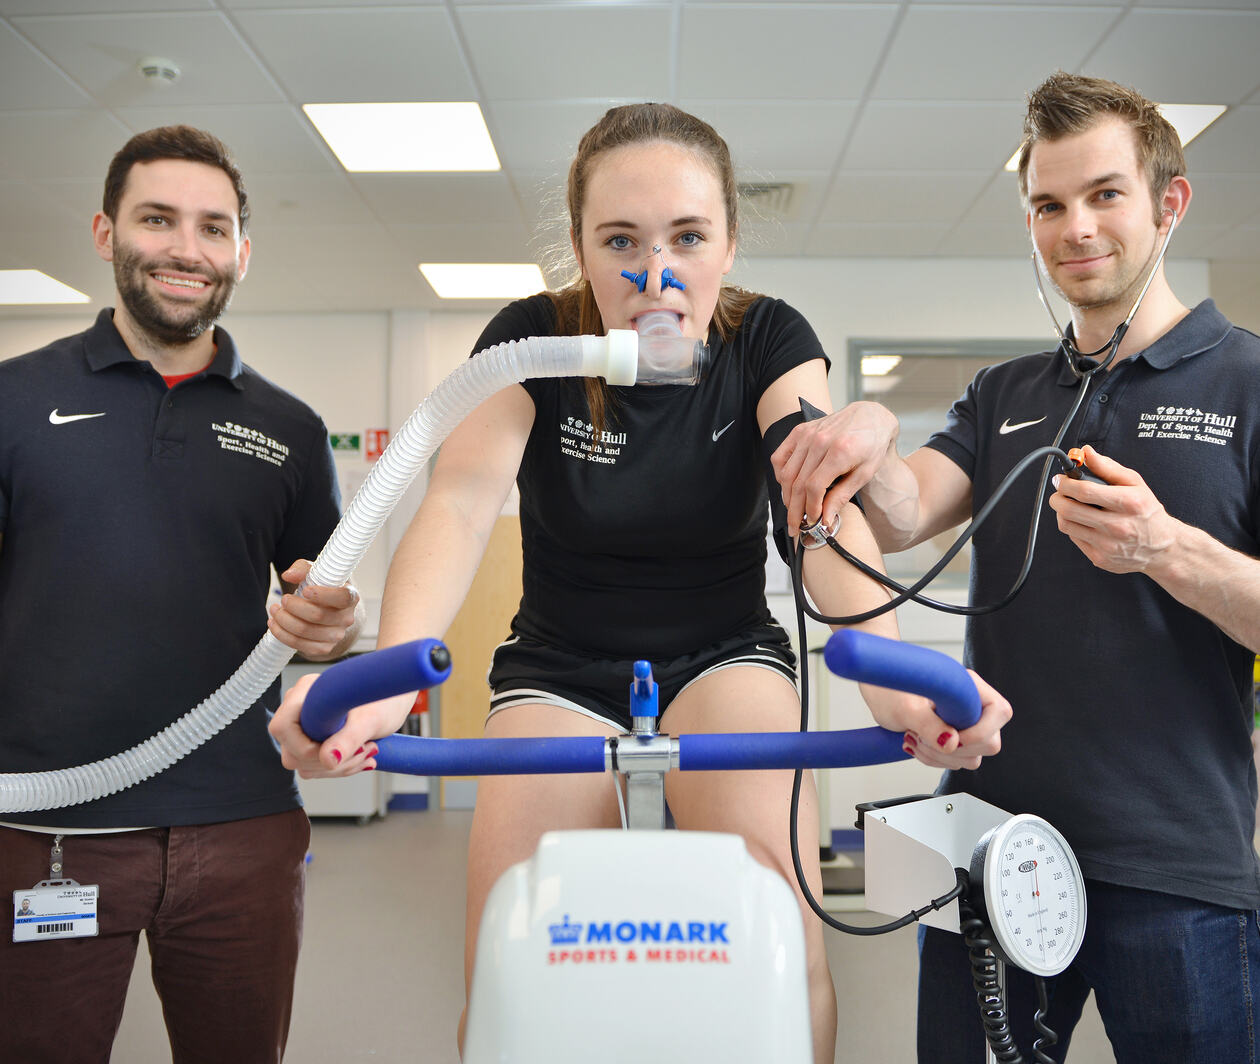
[{"x": 668, "y": 280}]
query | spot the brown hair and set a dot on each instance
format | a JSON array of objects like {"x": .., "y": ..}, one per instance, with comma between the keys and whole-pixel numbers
[
  {"x": 1068, "y": 104},
  {"x": 576, "y": 310},
  {"x": 173, "y": 142}
]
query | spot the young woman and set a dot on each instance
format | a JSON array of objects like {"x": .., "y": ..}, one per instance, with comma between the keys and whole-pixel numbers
[{"x": 643, "y": 515}]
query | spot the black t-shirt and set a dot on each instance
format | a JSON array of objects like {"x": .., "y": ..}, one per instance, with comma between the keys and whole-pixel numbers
[
  {"x": 1132, "y": 713},
  {"x": 649, "y": 541},
  {"x": 139, "y": 527}
]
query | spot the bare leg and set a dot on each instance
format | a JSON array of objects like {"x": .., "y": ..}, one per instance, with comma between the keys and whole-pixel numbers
[
  {"x": 513, "y": 812},
  {"x": 756, "y": 805}
]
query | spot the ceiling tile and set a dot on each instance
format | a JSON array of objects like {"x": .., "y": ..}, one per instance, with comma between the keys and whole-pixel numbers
[
  {"x": 981, "y": 238},
  {"x": 103, "y": 51},
  {"x": 29, "y": 206},
  {"x": 804, "y": 201},
  {"x": 981, "y": 53},
  {"x": 322, "y": 267},
  {"x": 1230, "y": 145},
  {"x": 465, "y": 243},
  {"x": 263, "y": 138},
  {"x": 28, "y": 80},
  {"x": 1149, "y": 50},
  {"x": 541, "y": 136},
  {"x": 779, "y": 135},
  {"x": 1222, "y": 199},
  {"x": 47, "y": 145},
  {"x": 542, "y": 198},
  {"x": 65, "y": 253},
  {"x": 81, "y": 197},
  {"x": 770, "y": 239},
  {"x": 407, "y": 199},
  {"x": 591, "y": 51},
  {"x": 382, "y": 55},
  {"x": 93, "y": 7},
  {"x": 999, "y": 203},
  {"x": 802, "y": 51},
  {"x": 875, "y": 240},
  {"x": 934, "y": 136},
  {"x": 1241, "y": 5},
  {"x": 902, "y": 197},
  {"x": 250, "y": 5},
  {"x": 279, "y": 200}
]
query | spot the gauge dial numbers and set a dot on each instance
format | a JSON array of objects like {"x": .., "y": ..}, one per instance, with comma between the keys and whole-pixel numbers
[{"x": 1034, "y": 894}]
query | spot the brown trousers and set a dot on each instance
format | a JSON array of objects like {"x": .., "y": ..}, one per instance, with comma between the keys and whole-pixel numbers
[{"x": 221, "y": 906}]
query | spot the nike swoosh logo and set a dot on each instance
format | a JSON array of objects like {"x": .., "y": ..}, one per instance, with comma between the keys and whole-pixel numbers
[
  {"x": 719, "y": 432},
  {"x": 1006, "y": 425},
  {"x": 64, "y": 419}
]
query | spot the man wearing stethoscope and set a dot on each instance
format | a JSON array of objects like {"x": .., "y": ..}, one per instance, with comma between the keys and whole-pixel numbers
[{"x": 1127, "y": 657}]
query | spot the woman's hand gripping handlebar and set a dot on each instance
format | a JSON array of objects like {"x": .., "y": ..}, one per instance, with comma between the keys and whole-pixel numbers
[{"x": 855, "y": 655}]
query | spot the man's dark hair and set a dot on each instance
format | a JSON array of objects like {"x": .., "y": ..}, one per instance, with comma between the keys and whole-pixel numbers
[
  {"x": 1065, "y": 105},
  {"x": 173, "y": 142}
]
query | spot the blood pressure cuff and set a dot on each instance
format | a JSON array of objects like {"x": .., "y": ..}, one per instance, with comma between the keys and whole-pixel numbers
[{"x": 771, "y": 442}]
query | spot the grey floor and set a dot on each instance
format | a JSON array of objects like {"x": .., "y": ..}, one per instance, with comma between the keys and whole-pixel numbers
[{"x": 380, "y": 976}]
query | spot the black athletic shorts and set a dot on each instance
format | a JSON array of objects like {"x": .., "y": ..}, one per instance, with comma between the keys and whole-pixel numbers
[{"x": 526, "y": 670}]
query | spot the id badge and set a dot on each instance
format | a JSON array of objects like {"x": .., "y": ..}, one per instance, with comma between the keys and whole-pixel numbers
[{"x": 55, "y": 909}]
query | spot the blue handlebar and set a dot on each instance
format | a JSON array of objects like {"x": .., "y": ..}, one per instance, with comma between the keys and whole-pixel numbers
[
  {"x": 906, "y": 667},
  {"x": 370, "y": 677},
  {"x": 854, "y": 655}
]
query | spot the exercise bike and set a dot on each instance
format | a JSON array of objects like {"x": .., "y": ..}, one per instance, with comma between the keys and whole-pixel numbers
[{"x": 679, "y": 946}]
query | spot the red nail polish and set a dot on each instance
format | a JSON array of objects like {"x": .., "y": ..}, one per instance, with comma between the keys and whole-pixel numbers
[
  {"x": 369, "y": 768},
  {"x": 911, "y": 739},
  {"x": 337, "y": 756},
  {"x": 358, "y": 751},
  {"x": 908, "y": 749},
  {"x": 943, "y": 738}
]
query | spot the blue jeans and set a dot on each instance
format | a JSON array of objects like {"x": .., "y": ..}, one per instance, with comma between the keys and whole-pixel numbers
[{"x": 1173, "y": 980}]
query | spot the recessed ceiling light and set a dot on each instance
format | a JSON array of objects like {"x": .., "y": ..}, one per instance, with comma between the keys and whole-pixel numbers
[
  {"x": 879, "y": 365},
  {"x": 483, "y": 280},
  {"x": 402, "y": 137},
  {"x": 32, "y": 286},
  {"x": 1188, "y": 119}
]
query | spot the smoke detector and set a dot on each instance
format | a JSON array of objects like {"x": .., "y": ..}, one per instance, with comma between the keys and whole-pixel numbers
[{"x": 158, "y": 71}]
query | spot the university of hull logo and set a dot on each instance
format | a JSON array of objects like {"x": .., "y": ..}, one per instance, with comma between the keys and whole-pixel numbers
[
  {"x": 241, "y": 439},
  {"x": 1186, "y": 423},
  {"x": 577, "y": 440}
]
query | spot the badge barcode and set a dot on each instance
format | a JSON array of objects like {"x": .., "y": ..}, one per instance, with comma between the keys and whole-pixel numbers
[{"x": 53, "y": 929}]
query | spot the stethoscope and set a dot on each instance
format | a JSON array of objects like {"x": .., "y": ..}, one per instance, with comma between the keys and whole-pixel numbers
[
  {"x": 1083, "y": 365},
  {"x": 1086, "y": 364}
]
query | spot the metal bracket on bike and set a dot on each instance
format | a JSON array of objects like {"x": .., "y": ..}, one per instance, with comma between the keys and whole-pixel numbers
[{"x": 644, "y": 756}]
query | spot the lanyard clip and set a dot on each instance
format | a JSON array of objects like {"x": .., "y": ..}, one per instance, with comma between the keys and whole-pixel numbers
[{"x": 56, "y": 866}]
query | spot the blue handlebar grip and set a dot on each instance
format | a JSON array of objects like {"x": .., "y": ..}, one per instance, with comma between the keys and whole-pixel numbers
[
  {"x": 837, "y": 749},
  {"x": 906, "y": 667},
  {"x": 369, "y": 677},
  {"x": 422, "y": 756}
]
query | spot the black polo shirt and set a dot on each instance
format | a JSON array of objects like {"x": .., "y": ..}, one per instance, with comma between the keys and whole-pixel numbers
[
  {"x": 1132, "y": 713},
  {"x": 139, "y": 526}
]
